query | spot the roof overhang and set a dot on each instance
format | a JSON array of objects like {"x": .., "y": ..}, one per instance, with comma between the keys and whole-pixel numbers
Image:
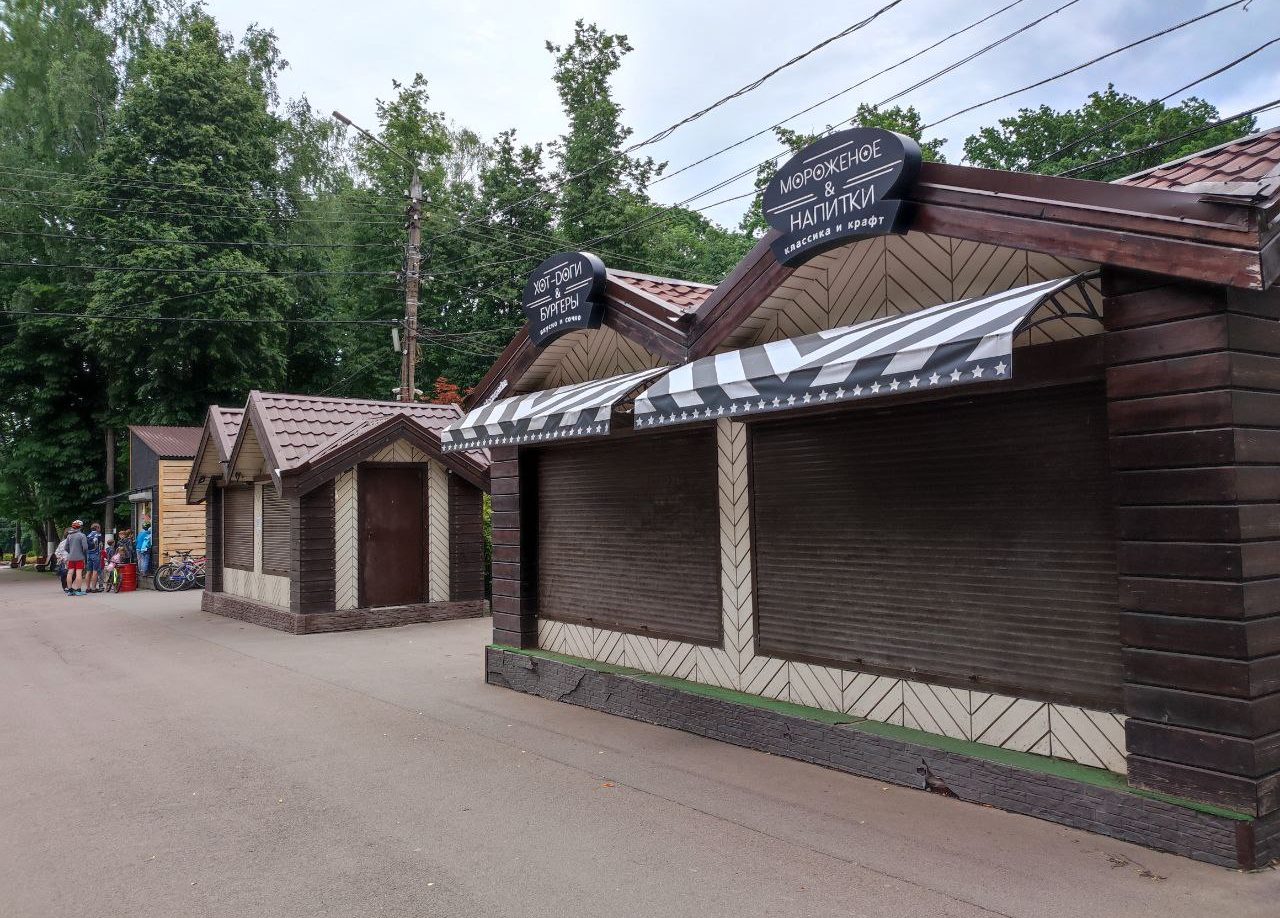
[
  {"x": 1198, "y": 237},
  {"x": 348, "y": 449}
]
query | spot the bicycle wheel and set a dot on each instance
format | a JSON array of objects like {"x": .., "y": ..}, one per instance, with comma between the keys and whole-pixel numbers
[{"x": 169, "y": 579}]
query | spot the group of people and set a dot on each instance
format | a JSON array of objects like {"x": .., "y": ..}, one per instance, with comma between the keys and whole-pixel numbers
[{"x": 88, "y": 561}]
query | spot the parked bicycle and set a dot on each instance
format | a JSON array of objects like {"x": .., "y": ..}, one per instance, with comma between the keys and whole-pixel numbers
[{"x": 181, "y": 572}]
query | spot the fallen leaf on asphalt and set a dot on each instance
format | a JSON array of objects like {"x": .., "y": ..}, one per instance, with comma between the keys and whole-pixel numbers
[{"x": 607, "y": 784}]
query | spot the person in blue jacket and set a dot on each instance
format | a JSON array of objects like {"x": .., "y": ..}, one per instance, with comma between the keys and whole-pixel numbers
[{"x": 143, "y": 547}]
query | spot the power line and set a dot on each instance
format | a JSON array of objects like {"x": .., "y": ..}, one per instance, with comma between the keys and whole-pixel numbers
[
  {"x": 1088, "y": 63},
  {"x": 667, "y": 131},
  {"x": 209, "y": 271},
  {"x": 133, "y": 212},
  {"x": 1114, "y": 123},
  {"x": 1194, "y": 132},
  {"x": 206, "y": 320},
  {"x": 228, "y": 191},
  {"x": 968, "y": 58},
  {"x": 760, "y": 81},
  {"x": 264, "y": 245},
  {"x": 217, "y": 209},
  {"x": 835, "y": 95}
]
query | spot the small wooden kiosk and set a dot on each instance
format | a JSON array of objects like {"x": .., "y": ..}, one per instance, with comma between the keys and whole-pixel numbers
[
  {"x": 327, "y": 514},
  {"x": 159, "y": 465},
  {"x": 983, "y": 465}
]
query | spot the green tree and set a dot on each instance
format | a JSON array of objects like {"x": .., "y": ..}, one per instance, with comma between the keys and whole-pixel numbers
[
  {"x": 58, "y": 84},
  {"x": 602, "y": 189},
  {"x": 1110, "y": 123},
  {"x": 191, "y": 156}
]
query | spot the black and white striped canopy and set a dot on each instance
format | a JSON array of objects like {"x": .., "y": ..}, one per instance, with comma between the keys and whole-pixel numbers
[
  {"x": 948, "y": 345},
  {"x": 580, "y": 410}
]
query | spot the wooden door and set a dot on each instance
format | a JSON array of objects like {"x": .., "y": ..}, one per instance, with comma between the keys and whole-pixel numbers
[{"x": 393, "y": 549}]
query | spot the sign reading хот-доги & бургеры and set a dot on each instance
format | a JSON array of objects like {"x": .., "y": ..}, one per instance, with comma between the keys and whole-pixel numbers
[
  {"x": 844, "y": 186},
  {"x": 565, "y": 293}
]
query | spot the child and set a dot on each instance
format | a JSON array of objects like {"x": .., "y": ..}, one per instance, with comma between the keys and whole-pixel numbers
[{"x": 60, "y": 554}]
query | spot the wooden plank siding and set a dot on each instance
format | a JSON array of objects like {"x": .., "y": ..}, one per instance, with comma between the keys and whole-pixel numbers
[
  {"x": 180, "y": 526},
  {"x": 1193, "y": 382},
  {"x": 213, "y": 540},
  {"x": 515, "y": 620},
  {"x": 466, "y": 540},
  {"x": 312, "y": 586}
]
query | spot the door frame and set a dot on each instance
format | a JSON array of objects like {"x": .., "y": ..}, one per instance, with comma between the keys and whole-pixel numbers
[{"x": 424, "y": 516}]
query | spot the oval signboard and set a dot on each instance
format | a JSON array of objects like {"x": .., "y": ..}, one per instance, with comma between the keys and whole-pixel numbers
[
  {"x": 844, "y": 186},
  {"x": 564, "y": 294}
]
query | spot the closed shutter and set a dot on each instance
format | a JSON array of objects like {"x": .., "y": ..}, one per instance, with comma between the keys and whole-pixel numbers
[
  {"x": 969, "y": 543},
  {"x": 237, "y": 527},
  {"x": 628, "y": 535},
  {"x": 276, "y": 539}
]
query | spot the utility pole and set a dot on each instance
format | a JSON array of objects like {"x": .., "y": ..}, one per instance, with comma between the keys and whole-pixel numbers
[{"x": 413, "y": 259}]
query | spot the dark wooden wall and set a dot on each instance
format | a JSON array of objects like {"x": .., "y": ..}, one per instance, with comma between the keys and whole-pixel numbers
[
  {"x": 311, "y": 561},
  {"x": 515, "y": 622},
  {"x": 213, "y": 539},
  {"x": 1194, "y": 413},
  {"x": 144, "y": 465},
  {"x": 466, "y": 540}
]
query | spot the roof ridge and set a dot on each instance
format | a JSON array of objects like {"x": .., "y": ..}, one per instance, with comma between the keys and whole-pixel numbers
[
  {"x": 655, "y": 277},
  {"x": 356, "y": 401}
]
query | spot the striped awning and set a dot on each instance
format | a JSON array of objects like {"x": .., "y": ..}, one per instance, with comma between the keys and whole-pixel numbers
[
  {"x": 580, "y": 410},
  {"x": 952, "y": 344}
]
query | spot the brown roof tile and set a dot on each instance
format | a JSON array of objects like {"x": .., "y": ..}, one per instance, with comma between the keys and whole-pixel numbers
[
  {"x": 1248, "y": 158},
  {"x": 298, "y": 425},
  {"x": 681, "y": 296},
  {"x": 226, "y": 425},
  {"x": 169, "y": 442}
]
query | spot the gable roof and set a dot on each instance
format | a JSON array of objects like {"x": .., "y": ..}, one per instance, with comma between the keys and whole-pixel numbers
[
  {"x": 1237, "y": 164},
  {"x": 1190, "y": 217},
  {"x": 225, "y": 426},
  {"x": 679, "y": 296},
  {"x": 168, "y": 442},
  {"x": 296, "y": 433}
]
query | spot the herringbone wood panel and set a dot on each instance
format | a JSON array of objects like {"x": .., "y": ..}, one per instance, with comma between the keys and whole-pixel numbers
[{"x": 851, "y": 284}]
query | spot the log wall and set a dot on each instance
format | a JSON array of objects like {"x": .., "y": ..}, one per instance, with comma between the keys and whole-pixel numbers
[{"x": 1193, "y": 383}]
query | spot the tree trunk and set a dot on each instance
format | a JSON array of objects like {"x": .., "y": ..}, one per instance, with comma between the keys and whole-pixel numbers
[{"x": 109, "y": 512}]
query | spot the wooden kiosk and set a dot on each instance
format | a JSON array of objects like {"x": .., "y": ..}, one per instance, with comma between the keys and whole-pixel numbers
[{"x": 975, "y": 480}]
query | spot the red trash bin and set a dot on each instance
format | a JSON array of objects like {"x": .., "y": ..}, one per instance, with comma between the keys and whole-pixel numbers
[{"x": 128, "y": 578}]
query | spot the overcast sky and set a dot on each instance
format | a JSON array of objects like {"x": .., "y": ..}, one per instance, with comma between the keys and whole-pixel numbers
[{"x": 489, "y": 70}]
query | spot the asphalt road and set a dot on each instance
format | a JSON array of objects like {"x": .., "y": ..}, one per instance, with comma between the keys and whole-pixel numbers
[{"x": 158, "y": 761}]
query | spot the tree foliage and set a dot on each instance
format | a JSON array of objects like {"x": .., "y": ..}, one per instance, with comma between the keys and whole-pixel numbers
[
  {"x": 1109, "y": 124},
  {"x": 152, "y": 172}
]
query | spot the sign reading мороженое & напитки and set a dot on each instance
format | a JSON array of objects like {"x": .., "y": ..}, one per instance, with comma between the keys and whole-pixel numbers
[{"x": 840, "y": 187}]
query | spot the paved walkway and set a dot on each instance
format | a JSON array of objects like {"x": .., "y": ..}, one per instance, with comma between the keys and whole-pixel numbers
[{"x": 158, "y": 761}]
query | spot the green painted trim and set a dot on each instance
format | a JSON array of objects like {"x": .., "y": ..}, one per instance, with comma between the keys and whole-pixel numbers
[
  {"x": 1025, "y": 761},
  {"x": 754, "y": 701}
]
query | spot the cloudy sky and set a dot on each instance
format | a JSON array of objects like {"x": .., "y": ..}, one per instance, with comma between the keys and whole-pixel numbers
[{"x": 489, "y": 69}]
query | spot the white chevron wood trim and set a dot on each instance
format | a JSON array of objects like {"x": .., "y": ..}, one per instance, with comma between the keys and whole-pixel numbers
[
  {"x": 854, "y": 283},
  {"x": 438, "y": 531},
  {"x": 268, "y": 589},
  {"x": 346, "y": 545}
]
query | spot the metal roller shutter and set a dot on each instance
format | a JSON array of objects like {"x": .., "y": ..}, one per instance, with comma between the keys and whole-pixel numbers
[
  {"x": 969, "y": 543},
  {"x": 628, "y": 535},
  {"x": 237, "y": 527},
  {"x": 276, "y": 539}
]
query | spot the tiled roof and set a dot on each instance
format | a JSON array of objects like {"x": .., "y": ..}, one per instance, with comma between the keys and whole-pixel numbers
[
  {"x": 1247, "y": 159},
  {"x": 681, "y": 296},
  {"x": 297, "y": 425},
  {"x": 169, "y": 442},
  {"x": 226, "y": 424}
]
